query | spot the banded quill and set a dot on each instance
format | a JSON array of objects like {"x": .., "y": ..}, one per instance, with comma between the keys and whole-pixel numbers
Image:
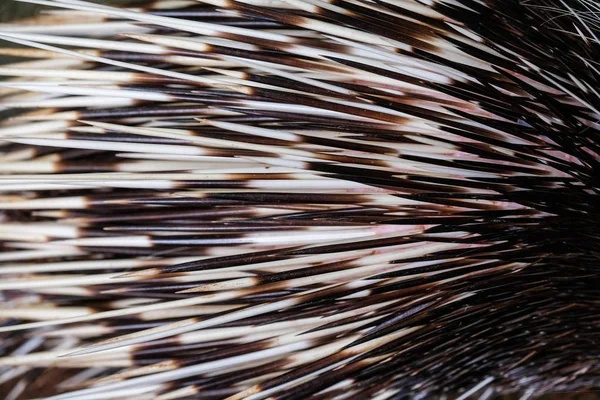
[{"x": 300, "y": 199}]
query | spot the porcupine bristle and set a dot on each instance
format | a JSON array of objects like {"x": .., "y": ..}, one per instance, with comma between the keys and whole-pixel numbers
[{"x": 294, "y": 199}]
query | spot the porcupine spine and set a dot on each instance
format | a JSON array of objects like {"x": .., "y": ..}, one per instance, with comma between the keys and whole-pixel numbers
[{"x": 300, "y": 199}]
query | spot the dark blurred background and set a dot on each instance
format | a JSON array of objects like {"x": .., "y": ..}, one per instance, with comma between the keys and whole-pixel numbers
[{"x": 10, "y": 10}]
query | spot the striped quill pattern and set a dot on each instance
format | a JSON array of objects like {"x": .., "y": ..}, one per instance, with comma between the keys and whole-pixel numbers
[{"x": 294, "y": 199}]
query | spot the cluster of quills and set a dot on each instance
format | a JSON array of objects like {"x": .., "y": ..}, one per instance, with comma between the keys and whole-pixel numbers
[{"x": 300, "y": 199}]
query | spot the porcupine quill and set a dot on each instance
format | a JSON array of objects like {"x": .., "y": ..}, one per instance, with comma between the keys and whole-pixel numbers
[{"x": 300, "y": 199}]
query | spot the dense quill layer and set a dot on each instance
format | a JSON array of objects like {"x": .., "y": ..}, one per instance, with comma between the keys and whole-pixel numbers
[{"x": 295, "y": 199}]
